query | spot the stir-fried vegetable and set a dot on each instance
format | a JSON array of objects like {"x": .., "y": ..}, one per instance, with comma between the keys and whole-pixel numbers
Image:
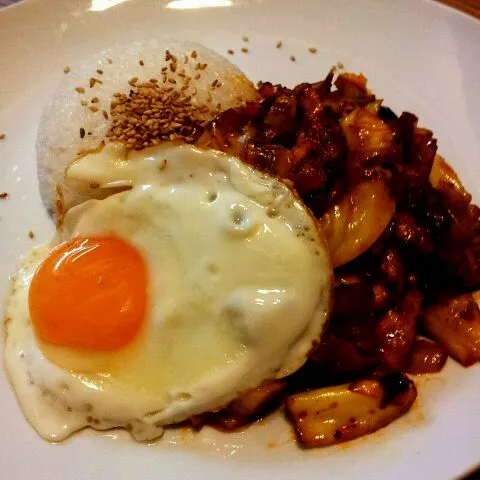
[
  {"x": 338, "y": 414},
  {"x": 427, "y": 357},
  {"x": 352, "y": 225},
  {"x": 250, "y": 406},
  {"x": 455, "y": 325}
]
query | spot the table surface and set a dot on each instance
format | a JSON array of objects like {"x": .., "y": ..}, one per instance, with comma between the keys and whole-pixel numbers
[
  {"x": 471, "y": 7},
  {"x": 468, "y": 6}
]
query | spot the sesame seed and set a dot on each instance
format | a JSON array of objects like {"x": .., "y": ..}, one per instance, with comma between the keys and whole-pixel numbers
[
  {"x": 66, "y": 69},
  {"x": 95, "y": 100},
  {"x": 245, "y": 50},
  {"x": 292, "y": 58},
  {"x": 230, "y": 51},
  {"x": 82, "y": 132},
  {"x": 80, "y": 89},
  {"x": 185, "y": 59},
  {"x": 133, "y": 81},
  {"x": 109, "y": 60},
  {"x": 105, "y": 114},
  {"x": 194, "y": 54},
  {"x": 84, "y": 103},
  {"x": 31, "y": 234},
  {"x": 93, "y": 109},
  {"x": 2, "y": 136},
  {"x": 3, "y": 196},
  {"x": 245, "y": 38},
  {"x": 279, "y": 44},
  {"x": 153, "y": 112},
  {"x": 141, "y": 63},
  {"x": 259, "y": 84},
  {"x": 99, "y": 71},
  {"x": 214, "y": 83},
  {"x": 312, "y": 50},
  {"x": 92, "y": 82}
]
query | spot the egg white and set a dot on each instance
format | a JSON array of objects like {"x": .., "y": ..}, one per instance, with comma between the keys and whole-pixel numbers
[{"x": 239, "y": 288}]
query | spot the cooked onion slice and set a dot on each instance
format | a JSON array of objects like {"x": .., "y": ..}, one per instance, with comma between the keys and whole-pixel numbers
[
  {"x": 455, "y": 325},
  {"x": 338, "y": 414},
  {"x": 353, "y": 224}
]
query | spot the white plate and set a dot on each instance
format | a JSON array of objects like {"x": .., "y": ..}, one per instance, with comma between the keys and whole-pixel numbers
[{"x": 418, "y": 55}]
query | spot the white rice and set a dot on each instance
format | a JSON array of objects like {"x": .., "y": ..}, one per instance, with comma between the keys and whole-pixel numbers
[{"x": 59, "y": 142}]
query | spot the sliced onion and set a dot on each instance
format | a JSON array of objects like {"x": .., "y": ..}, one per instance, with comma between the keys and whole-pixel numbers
[{"x": 353, "y": 224}]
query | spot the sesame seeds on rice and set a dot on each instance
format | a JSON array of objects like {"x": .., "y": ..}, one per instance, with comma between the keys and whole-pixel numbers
[{"x": 171, "y": 97}]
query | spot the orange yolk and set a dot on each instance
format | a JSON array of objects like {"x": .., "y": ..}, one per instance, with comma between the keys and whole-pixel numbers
[{"x": 90, "y": 293}]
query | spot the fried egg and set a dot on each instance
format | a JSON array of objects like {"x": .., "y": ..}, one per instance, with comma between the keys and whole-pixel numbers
[{"x": 198, "y": 280}]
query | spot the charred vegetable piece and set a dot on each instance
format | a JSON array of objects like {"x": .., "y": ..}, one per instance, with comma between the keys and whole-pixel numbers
[
  {"x": 331, "y": 415},
  {"x": 354, "y": 224},
  {"x": 249, "y": 406},
  {"x": 427, "y": 357},
  {"x": 455, "y": 325}
]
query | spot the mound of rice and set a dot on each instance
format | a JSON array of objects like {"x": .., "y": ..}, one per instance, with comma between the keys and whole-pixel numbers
[{"x": 165, "y": 73}]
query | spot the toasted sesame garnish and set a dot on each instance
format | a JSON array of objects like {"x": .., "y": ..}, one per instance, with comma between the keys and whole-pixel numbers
[
  {"x": 59, "y": 207},
  {"x": 292, "y": 58},
  {"x": 259, "y": 84},
  {"x": 197, "y": 76},
  {"x": 105, "y": 114},
  {"x": 169, "y": 56},
  {"x": 245, "y": 50},
  {"x": 109, "y": 60},
  {"x": 163, "y": 165},
  {"x": 93, "y": 108},
  {"x": 312, "y": 50},
  {"x": 194, "y": 54},
  {"x": 340, "y": 65},
  {"x": 84, "y": 103},
  {"x": 185, "y": 59},
  {"x": 2, "y": 136},
  {"x": 31, "y": 234},
  {"x": 3, "y": 196},
  {"x": 95, "y": 100},
  {"x": 92, "y": 82},
  {"x": 230, "y": 51},
  {"x": 133, "y": 81},
  {"x": 245, "y": 38},
  {"x": 82, "y": 132},
  {"x": 154, "y": 112},
  {"x": 215, "y": 83},
  {"x": 99, "y": 71},
  {"x": 141, "y": 63},
  {"x": 80, "y": 89},
  {"x": 66, "y": 69},
  {"x": 279, "y": 44}
]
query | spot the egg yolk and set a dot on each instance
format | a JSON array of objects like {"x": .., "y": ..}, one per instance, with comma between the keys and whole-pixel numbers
[{"x": 90, "y": 293}]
